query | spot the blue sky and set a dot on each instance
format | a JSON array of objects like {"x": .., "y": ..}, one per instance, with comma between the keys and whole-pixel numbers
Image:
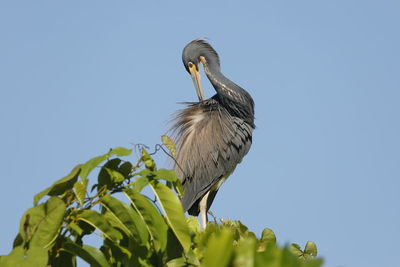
[{"x": 80, "y": 77}]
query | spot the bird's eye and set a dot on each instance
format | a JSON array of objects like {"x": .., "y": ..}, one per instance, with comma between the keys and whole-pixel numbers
[{"x": 190, "y": 64}]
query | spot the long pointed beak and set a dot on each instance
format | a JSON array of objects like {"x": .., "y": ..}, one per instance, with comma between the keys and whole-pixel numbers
[{"x": 195, "y": 73}]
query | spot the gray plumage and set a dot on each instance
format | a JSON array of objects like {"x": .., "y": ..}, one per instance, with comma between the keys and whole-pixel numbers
[{"x": 212, "y": 135}]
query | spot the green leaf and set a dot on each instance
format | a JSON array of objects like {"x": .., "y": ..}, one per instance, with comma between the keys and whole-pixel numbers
[
  {"x": 148, "y": 161},
  {"x": 80, "y": 191},
  {"x": 144, "y": 173},
  {"x": 174, "y": 213},
  {"x": 140, "y": 183},
  {"x": 86, "y": 228},
  {"x": 98, "y": 221},
  {"x": 18, "y": 241},
  {"x": 34, "y": 256},
  {"x": 128, "y": 219},
  {"x": 296, "y": 250},
  {"x": 174, "y": 248},
  {"x": 245, "y": 252},
  {"x": 91, "y": 255},
  {"x": 61, "y": 259},
  {"x": 191, "y": 258},
  {"x": 121, "y": 151},
  {"x": 167, "y": 141},
  {"x": 178, "y": 188},
  {"x": 91, "y": 164},
  {"x": 178, "y": 262},
  {"x": 74, "y": 227},
  {"x": 116, "y": 176},
  {"x": 193, "y": 224},
  {"x": 149, "y": 214},
  {"x": 268, "y": 238},
  {"x": 170, "y": 176},
  {"x": 126, "y": 168},
  {"x": 117, "y": 251},
  {"x": 112, "y": 173},
  {"x": 309, "y": 252},
  {"x": 287, "y": 258},
  {"x": 40, "y": 225},
  {"x": 94, "y": 162},
  {"x": 219, "y": 250},
  {"x": 311, "y": 249},
  {"x": 59, "y": 187},
  {"x": 269, "y": 257},
  {"x": 104, "y": 178},
  {"x": 167, "y": 175}
]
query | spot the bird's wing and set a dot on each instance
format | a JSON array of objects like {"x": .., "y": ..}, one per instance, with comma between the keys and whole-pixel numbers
[{"x": 210, "y": 144}]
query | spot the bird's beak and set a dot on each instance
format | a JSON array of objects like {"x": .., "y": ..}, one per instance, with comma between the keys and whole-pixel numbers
[{"x": 195, "y": 73}]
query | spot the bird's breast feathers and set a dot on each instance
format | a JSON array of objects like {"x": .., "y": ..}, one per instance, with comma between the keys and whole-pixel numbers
[{"x": 210, "y": 141}]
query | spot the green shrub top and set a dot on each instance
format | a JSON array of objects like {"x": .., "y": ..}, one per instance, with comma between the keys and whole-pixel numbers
[{"x": 139, "y": 231}]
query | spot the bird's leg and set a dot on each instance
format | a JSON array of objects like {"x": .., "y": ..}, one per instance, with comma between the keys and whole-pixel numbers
[{"x": 203, "y": 210}]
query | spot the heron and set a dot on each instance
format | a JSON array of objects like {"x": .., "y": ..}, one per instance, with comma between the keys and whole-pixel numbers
[{"x": 212, "y": 135}]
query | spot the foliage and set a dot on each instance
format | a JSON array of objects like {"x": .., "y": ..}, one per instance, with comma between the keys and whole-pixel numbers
[{"x": 144, "y": 232}]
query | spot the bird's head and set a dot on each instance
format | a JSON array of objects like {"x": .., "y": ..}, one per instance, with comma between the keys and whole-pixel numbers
[{"x": 195, "y": 52}]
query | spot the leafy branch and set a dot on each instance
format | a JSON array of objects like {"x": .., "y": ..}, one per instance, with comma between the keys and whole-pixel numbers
[{"x": 138, "y": 231}]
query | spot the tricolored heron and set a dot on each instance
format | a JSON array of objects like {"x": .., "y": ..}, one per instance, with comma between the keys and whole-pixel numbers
[{"x": 212, "y": 135}]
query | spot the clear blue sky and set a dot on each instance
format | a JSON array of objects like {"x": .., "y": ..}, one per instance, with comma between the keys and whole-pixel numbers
[{"x": 80, "y": 77}]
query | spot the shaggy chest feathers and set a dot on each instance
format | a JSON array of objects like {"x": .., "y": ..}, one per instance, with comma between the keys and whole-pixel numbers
[{"x": 210, "y": 143}]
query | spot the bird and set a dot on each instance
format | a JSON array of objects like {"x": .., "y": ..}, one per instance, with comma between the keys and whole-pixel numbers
[{"x": 212, "y": 135}]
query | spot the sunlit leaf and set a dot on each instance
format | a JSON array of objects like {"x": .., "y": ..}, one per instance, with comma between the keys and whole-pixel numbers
[
  {"x": 167, "y": 175},
  {"x": 116, "y": 177},
  {"x": 91, "y": 164},
  {"x": 296, "y": 250},
  {"x": 219, "y": 250},
  {"x": 140, "y": 183},
  {"x": 76, "y": 228},
  {"x": 178, "y": 262},
  {"x": 144, "y": 173},
  {"x": 193, "y": 224},
  {"x": 311, "y": 249},
  {"x": 94, "y": 162},
  {"x": 35, "y": 256},
  {"x": 191, "y": 258},
  {"x": 245, "y": 252},
  {"x": 91, "y": 255},
  {"x": 121, "y": 151},
  {"x": 129, "y": 220},
  {"x": 178, "y": 188},
  {"x": 167, "y": 141},
  {"x": 59, "y": 187},
  {"x": 98, "y": 221},
  {"x": 40, "y": 225},
  {"x": 174, "y": 213},
  {"x": 150, "y": 215},
  {"x": 267, "y": 238},
  {"x": 148, "y": 161},
  {"x": 80, "y": 191}
]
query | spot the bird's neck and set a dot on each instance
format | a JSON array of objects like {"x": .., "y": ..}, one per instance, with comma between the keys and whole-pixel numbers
[{"x": 234, "y": 98}]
